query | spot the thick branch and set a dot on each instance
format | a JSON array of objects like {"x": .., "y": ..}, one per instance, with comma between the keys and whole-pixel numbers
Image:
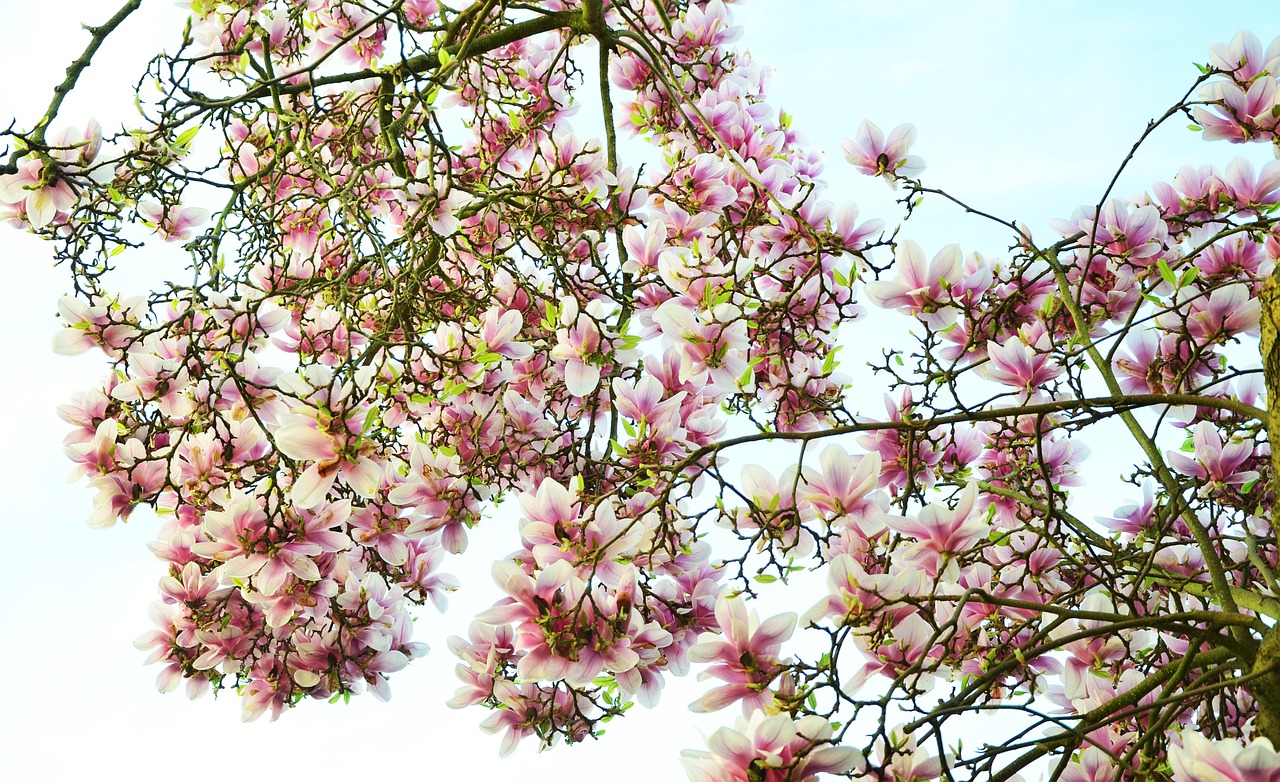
[
  {"x": 557, "y": 20},
  {"x": 1266, "y": 691}
]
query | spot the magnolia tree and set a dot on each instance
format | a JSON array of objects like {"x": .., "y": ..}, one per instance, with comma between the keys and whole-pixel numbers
[{"x": 413, "y": 292}]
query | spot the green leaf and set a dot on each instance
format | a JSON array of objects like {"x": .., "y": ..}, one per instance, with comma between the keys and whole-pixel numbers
[
  {"x": 829, "y": 363},
  {"x": 1166, "y": 273},
  {"x": 186, "y": 137},
  {"x": 765, "y": 578}
]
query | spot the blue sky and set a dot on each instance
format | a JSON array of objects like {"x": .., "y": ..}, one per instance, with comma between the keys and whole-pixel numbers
[{"x": 1022, "y": 108}]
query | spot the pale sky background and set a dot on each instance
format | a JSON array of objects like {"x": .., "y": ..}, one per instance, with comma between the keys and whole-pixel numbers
[{"x": 1022, "y": 108}]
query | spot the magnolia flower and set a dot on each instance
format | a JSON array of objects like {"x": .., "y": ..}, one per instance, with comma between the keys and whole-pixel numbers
[
  {"x": 771, "y": 749},
  {"x": 1244, "y": 57},
  {"x": 38, "y": 192},
  {"x": 578, "y": 347},
  {"x": 1215, "y": 462},
  {"x": 941, "y": 532},
  {"x": 1201, "y": 760},
  {"x": 304, "y": 439},
  {"x": 872, "y": 154},
  {"x": 921, "y": 290},
  {"x": 745, "y": 657},
  {"x": 175, "y": 223}
]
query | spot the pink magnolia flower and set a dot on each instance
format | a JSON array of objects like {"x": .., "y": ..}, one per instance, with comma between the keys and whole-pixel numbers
[
  {"x": 1244, "y": 57},
  {"x": 1202, "y": 760},
  {"x": 855, "y": 595},
  {"x": 438, "y": 204},
  {"x": 441, "y": 497},
  {"x": 418, "y": 13},
  {"x": 745, "y": 657},
  {"x": 578, "y": 347},
  {"x": 1227, "y": 311},
  {"x": 1215, "y": 462},
  {"x": 903, "y": 459},
  {"x": 164, "y": 646},
  {"x": 1242, "y": 115},
  {"x": 103, "y": 322},
  {"x": 1023, "y": 362},
  {"x": 1093, "y": 765},
  {"x": 921, "y": 290},
  {"x": 78, "y": 145},
  {"x": 1250, "y": 188},
  {"x": 332, "y": 445},
  {"x": 194, "y": 587},
  {"x": 247, "y": 549},
  {"x": 557, "y": 527},
  {"x": 853, "y": 235},
  {"x": 874, "y": 155},
  {"x": 643, "y": 246},
  {"x": 498, "y": 332},
  {"x": 1234, "y": 258},
  {"x": 903, "y": 760},
  {"x": 643, "y": 401},
  {"x": 1132, "y": 519},
  {"x": 175, "y": 223},
  {"x": 844, "y": 484},
  {"x": 39, "y": 192},
  {"x": 484, "y": 654},
  {"x": 941, "y": 532},
  {"x": 772, "y": 509},
  {"x": 771, "y": 749},
  {"x": 712, "y": 346},
  {"x": 706, "y": 26}
]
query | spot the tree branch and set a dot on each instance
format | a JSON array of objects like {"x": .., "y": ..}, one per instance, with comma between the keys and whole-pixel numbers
[{"x": 60, "y": 92}]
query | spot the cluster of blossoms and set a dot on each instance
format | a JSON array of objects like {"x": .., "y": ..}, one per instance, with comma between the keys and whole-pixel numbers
[{"x": 423, "y": 293}]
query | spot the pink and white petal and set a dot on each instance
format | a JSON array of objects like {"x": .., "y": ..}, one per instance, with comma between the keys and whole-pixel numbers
[
  {"x": 581, "y": 378},
  {"x": 388, "y": 662},
  {"x": 365, "y": 476},
  {"x": 71, "y": 342},
  {"x": 312, "y": 486},
  {"x": 733, "y": 746},
  {"x": 774, "y": 631},
  {"x": 281, "y": 612},
  {"x": 40, "y": 207},
  {"x": 272, "y": 576},
  {"x": 304, "y": 442},
  {"x": 719, "y": 697},
  {"x": 301, "y": 566},
  {"x": 243, "y": 566}
]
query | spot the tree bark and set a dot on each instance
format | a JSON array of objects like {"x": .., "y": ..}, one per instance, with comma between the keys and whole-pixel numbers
[{"x": 1266, "y": 665}]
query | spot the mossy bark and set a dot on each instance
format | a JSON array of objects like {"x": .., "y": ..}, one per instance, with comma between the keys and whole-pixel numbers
[{"x": 1266, "y": 688}]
